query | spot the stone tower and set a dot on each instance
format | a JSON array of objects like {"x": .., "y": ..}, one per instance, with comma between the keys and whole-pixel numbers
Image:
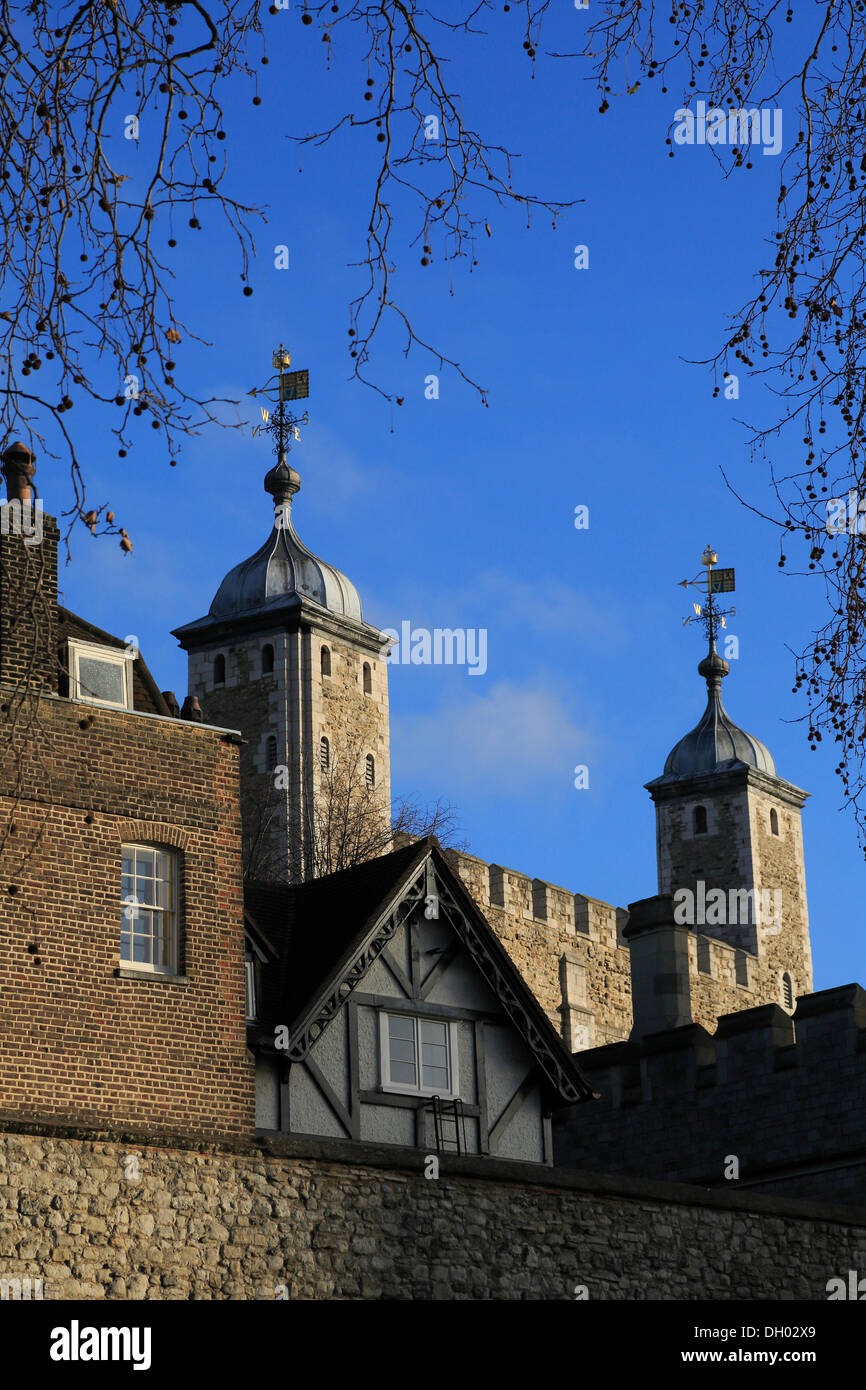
[
  {"x": 285, "y": 656},
  {"x": 730, "y": 844}
]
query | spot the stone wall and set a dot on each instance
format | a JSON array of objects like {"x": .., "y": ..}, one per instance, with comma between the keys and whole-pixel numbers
[
  {"x": 569, "y": 949},
  {"x": 319, "y": 1220},
  {"x": 739, "y": 852},
  {"x": 284, "y": 714},
  {"x": 785, "y": 1097}
]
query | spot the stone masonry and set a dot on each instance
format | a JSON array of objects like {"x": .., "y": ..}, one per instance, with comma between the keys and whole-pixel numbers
[
  {"x": 284, "y": 714},
  {"x": 97, "y": 1219},
  {"x": 571, "y": 952}
]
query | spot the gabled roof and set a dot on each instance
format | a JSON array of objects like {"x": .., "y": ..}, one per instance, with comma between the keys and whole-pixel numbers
[{"x": 326, "y": 933}]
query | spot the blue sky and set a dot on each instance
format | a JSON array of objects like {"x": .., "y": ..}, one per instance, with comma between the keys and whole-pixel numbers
[{"x": 452, "y": 515}]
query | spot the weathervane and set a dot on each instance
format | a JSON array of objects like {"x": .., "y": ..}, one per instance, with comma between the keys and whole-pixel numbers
[
  {"x": 281, "y": 423},
  {"x": 720, "y": 582}
]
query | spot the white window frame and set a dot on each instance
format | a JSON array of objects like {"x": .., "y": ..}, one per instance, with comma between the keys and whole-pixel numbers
[
  {"x": 250, "y": 981},
  {"x": 147, "y": 967},
  {"x": 114, "y": 656},
  {"x": 401, "y": 1088}
]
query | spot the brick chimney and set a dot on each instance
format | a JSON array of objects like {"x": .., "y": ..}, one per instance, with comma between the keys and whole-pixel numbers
[
  {"x": 659, "y": 952},
  {"x": 28, "y": 579}
]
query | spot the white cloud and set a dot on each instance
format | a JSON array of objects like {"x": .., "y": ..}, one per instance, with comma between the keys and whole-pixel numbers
[
  {"x": 510, "y": 740},
  {"x": 494, "y": 597}
]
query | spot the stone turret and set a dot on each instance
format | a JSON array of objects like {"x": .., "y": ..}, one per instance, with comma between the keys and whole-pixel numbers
[
  {"x": 730, "y": 842},
  {"x": 285, "y": 656}
]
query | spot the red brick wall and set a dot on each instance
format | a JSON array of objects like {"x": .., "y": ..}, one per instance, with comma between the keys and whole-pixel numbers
[
  {"x": 28, "y": 608},
  {"x": 78, "y": 1043}
]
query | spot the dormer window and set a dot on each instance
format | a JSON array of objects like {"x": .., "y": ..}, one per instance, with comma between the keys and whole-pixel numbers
[
  {"x": 700, "y": 820},
  {"x": 100, "y": 675}
]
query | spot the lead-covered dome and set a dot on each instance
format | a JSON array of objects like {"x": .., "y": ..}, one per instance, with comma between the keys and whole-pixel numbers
[
  {"x": 283, "y": 567},
  {"x": 716, "y": 742}
]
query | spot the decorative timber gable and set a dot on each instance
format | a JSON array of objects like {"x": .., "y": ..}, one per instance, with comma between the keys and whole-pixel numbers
[{"x": 423, "y": 971}]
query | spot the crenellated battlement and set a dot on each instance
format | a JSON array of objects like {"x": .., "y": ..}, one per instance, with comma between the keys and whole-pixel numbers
[
  {"x": 572, "y": 950},
  {"x": 766, "y": 1089},
  {"x": 535, "y": 900}
]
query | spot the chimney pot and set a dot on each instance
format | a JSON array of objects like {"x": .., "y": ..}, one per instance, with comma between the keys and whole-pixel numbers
[
  {"x": 191, "y": 709},
  {"x": 18, "y": 469}
]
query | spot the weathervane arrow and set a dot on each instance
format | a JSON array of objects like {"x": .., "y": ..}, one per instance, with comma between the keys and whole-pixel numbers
[
  {"x": 291, "y": 386},
  {"x": 718, "y": 581}
]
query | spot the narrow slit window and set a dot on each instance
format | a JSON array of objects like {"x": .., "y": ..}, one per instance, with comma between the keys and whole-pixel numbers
[
  {"x": 370, "y": 771},
  {"x": 267, "y": 659},
  {"x": 787, "y": 991},
  {"x": 271, "y": 754},
  {"x": 700, "y": 820},
  {"x": 368, "y": 679},
  {"x": 774, "y": 821},
  {"x": 219, "y": 670},
  {"x": 326, "y": 661},
  {"x": 324, "y": 754}
]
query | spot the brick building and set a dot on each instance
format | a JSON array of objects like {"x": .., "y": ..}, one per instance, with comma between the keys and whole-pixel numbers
[{"x": 121, "y": 915}]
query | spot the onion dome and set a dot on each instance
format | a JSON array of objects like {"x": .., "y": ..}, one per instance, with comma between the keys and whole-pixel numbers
[
  {"x": 716, "y": 743},
  {"x": 283, "y": 567}
]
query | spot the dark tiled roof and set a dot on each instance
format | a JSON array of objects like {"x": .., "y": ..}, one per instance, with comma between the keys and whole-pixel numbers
[
  {"x": 145, "y": 694},
  {"x": 316, "y": 926}
]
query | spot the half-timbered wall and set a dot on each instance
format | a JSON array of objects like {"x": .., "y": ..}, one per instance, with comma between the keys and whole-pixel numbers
[{"x": 337, "y": 1090}]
